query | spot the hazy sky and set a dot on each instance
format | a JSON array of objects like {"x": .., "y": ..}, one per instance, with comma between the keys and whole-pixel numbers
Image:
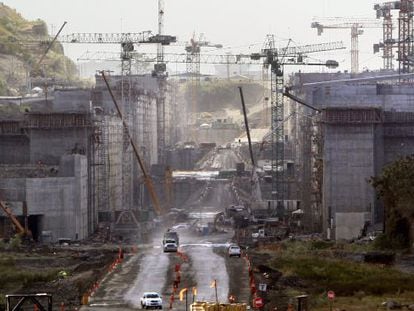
[{"x": 240, "y": 25}]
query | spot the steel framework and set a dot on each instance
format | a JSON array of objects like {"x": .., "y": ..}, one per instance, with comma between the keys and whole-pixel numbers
[
  {"x": 387, "y": 38},
  {"x": 405, "y": 32},
  {"x": 276, "y": 59}
]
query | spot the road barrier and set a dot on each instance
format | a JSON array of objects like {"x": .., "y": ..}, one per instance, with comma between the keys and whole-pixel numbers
[{"x": 94, "y": 287}]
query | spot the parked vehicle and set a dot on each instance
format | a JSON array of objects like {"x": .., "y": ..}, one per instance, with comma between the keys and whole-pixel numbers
[
  {"x": 151, "y": 300},
  {"x": 234, "y": 250}
]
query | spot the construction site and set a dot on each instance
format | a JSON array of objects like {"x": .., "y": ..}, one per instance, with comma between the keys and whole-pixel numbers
[{"x": 246, "y": 156}]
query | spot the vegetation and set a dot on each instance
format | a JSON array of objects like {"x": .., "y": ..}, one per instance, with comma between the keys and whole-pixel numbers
[
  {"x": 14, "y": 277},
  {"x": 22, "y": 43},
  {"x": 316, "y": 267},
  {"x": 344, "y": 277},
  {"x": 396, "y": 188}
]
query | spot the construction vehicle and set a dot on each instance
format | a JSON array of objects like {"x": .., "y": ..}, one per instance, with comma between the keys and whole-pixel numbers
[
  {"x": 171, "y": 235},
  {"x": 20, "y": 229}
]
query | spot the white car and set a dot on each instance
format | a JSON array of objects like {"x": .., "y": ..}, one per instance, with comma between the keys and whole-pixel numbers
[
  {"x": 234, "y": 250},
  {"x": 151, "y": 300},
  {"x": 170, "y": 246}
]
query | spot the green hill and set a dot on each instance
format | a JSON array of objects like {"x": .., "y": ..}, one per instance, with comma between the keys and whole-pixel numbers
[{"x": 22, "y": 44}]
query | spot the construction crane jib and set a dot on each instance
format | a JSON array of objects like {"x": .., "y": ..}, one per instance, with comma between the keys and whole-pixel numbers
[{"x": 355, "y": 24}]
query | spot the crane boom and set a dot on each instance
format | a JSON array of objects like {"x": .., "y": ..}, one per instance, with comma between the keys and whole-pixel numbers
[
  {"x": 223, "y": 59},
  {"x": 117, "y": 38},
  {"x": 147, "y": 178},
  {"x": 13, "y": 218},
  {"x": 311, "y": 48},
  {"x": 356, "y": 25}
]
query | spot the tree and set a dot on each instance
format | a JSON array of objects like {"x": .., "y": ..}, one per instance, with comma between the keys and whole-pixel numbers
[{"x": 395, "y": 186}]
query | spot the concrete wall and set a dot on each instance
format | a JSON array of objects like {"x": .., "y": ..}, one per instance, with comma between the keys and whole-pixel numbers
[
  {"x": 348, "y": 163},
  {"x": 14, "y": 149},
  {"x": 348, "y": 225},
  {"x": 74, "y": 101},
  {"x": 13, "y": 189},
  {"x": 114, "y": 163},
  {"x": 362, "y": 96},
  {"x": 61, "y": 201},
  {"x": 353, "y": 153},
  {"x": 49, "y": 145}
]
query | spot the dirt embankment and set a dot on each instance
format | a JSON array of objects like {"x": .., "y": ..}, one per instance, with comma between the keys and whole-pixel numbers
[
  {"x": 215, "y": 96},
  {"x": 292, "y": 268},
  {"x": 65, "y": 272}
]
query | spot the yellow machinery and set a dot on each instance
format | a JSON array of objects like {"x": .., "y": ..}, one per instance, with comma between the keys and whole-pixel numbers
[
  {"x": 18, "y": 226},
  {"x": 209, "y": 306}
]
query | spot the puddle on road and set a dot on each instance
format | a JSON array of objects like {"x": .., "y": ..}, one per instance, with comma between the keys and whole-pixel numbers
[{"x": 206, "y": 244}]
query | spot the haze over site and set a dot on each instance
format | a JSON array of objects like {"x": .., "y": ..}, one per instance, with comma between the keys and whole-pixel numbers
[{"x": 240, "y": 25}]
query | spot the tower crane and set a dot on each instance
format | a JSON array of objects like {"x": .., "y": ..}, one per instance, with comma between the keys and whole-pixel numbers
[
  {"x": 405, "y": 41},
  {"x": 274, "y": 59},
  {"x": 127, "y": 41},
  {"x": 193, "y": 50},
  {"x": 384, "y": 10},
  {"x": 356, "y": 25},
  {"x": 160, "y": 72}
]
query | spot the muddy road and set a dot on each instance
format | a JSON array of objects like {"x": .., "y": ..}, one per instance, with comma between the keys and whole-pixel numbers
[{"x": 204, "y": 260}]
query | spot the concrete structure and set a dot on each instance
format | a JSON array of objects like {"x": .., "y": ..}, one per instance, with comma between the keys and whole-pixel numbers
[
  {"x": 56, "y": 201},
  {"x": 104, "y": 179},
  {"x": 363, "y": 127}
]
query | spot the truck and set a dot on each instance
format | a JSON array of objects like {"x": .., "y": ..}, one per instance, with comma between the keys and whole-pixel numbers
[
  {"x": 170, "y": 241},
  {"x": 171, "y": 235}
]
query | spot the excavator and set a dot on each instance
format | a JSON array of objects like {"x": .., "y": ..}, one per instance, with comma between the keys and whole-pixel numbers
[{"x": 20, "y": 229}]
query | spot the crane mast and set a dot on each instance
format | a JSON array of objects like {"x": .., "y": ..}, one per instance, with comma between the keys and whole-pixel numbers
[
  {"x": 405, "y": 32},
  {"x": 161, "y": 75},
  {"x": 276, "y": 59},
  {"x": 193, "y": 61}
]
